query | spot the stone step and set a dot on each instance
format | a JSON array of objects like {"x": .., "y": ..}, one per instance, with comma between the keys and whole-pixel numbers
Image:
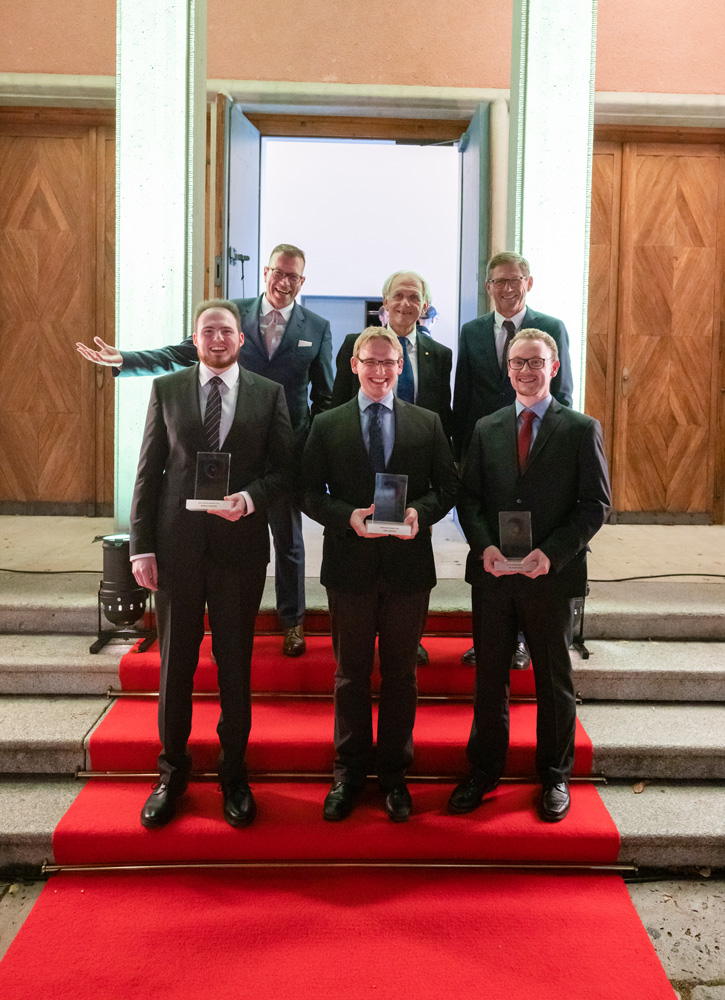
[
  {"x": 626, "y": 670},
  {"x": 50, "y": 734},
  {"x": 666, "y": 826},
  {"x": 639, "y": 609}
]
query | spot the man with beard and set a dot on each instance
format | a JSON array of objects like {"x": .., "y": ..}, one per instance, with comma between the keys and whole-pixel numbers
[{"x": 218, "y": 559}]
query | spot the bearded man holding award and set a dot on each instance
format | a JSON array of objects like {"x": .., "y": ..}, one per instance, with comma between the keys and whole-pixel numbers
[
  {"x": 535, "y": 470},
  {"x": 376, "y": 451}
]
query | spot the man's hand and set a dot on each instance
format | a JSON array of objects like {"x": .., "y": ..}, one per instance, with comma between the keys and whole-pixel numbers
[
  {"x": 411, "y": 518},
  {"x": 239, "y": 508},
  {"x": 106, "y": 356},
  {"x": 357, "y": 522},
  {"x": 536, "y": 564},
  {"x": 492, "y": 554},
  {"x": 146, "y": 572}
]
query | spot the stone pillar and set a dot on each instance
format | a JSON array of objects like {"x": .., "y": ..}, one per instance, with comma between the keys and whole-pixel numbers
[
  {"x": 550, "y": 151},
  {"x": 160, "y": 172}
]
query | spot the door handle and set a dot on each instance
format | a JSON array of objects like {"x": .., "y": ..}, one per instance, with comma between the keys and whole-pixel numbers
[{"x": 625, "y": 381}]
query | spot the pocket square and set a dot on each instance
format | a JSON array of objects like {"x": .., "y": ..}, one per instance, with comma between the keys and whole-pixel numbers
[{"x": 304, "y": 343}]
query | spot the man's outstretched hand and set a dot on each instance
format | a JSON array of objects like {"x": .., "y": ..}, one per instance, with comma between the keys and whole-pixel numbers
[{"x": 107, "y": 355}]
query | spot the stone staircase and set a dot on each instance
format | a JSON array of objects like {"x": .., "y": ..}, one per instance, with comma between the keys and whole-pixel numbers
[{"x": 652, "y": 690}]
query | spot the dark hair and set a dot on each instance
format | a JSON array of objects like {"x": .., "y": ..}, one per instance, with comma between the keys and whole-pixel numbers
[{"x": 227, "y": 304}]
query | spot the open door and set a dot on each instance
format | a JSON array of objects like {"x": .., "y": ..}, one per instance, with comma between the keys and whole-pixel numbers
[
  {"x": 474, "y": 148},
  {"x": 234, "y": 201}
]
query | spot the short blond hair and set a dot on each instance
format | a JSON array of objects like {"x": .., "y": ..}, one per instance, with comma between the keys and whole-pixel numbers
[
  {"x": 377, "y": 333},
  {"x": 424, "y": 286},
  {"x": 545, "y": 338},
  {"x": 508, "y": 257}
]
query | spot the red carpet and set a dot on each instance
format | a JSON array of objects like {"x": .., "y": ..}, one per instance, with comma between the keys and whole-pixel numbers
[
  {"x": 102, "y": 826},
  {"x": 296, "y": 735},
  {"x": 313, "y": 673},
  {"x": 329, "y": 934}
]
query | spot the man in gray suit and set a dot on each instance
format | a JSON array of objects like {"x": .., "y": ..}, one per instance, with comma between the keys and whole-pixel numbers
[
  {"x": 218, "y": 559},
  {"x": 482, "y": 385},
  {"x": 288, "y": 344}
]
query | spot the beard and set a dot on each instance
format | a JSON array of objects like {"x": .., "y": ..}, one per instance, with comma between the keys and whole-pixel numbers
[{"x": 219, "y": 360}]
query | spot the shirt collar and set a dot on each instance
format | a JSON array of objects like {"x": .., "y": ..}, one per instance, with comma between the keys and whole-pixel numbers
[
  {"x": 364, "y": 400},
  {"x": 539, "y": 408},
  {"x": 517, "y": 320},
  {"x": 229, "y": 377},
  {"x": 267, "y": 308},
  {"x": 411, "y": 337}
]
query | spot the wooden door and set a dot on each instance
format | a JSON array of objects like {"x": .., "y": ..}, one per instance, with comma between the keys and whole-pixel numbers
[
  {"x": 56, "y": 284},
  {"x": 665, "y": 414}
]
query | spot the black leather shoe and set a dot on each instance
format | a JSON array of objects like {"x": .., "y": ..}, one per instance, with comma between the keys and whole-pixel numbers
[
  {"x": 160, "y": 806},
  {"x": 239, "y": 805},
  {"x": 422, "y": 659},
  {"x": 468, "y": 795},
  {"x": 339, "y": 801},
  {"x": 555, "y": 802},
  {"x": 521, "y": 658},
  {"x": 398, "y": 803},
  {"x": 469, "y": 657}
]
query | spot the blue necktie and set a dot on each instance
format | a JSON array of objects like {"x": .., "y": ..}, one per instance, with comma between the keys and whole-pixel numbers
[
  {"x": 406, "y": 383},
  {"x": 376, "y": 451}
]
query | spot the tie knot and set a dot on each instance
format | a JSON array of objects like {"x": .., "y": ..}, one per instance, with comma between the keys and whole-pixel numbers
[
  {"x": 216, "y": 380},
  {"x": 375, "y": 408},
  {"x": 509, "y": 327},
  {"x": 527, "y": 416}
]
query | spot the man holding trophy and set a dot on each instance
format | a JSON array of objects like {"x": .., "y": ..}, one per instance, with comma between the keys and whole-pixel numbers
[
  {"x": 376, "y": 451},
  {"x": 535, "y": 491},
  {"x": 215, "y": 451}
]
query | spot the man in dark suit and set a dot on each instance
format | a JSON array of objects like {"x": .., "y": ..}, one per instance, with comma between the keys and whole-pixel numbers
[
  {"x": 197, "y": 558},
  {"x": 376, "y": 584},
  {"x": 426, "y": 376},
  {"x": 482, "y": 385},
  {"x": 287, "y": 344},
  {"x": 538, "y": 456}
]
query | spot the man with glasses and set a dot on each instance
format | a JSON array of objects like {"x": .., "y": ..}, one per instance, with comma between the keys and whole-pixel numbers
[
  {"x": 289, "y": 345},
  {"x": 540, "y": 457},
  {"x": 376, "y": 584},
  {"x": 482, "y": 384},
  {"x": 426, "y": 375}
]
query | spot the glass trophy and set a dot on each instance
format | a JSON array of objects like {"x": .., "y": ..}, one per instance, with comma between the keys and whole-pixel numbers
[
  {"x": 514, "y": 529},
  {"x": 391, "y": 492},
  {"x": 212, "y": 481}
]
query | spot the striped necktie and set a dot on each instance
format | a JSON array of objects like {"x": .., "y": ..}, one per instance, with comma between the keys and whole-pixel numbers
[
  {"x": 213, "y": 413},
  {"x": 510, "y": 334},
  {"x": 376, "y": 449}
]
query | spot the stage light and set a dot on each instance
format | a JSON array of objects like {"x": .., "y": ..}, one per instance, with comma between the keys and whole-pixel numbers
[{"x": 120, "y": 598}]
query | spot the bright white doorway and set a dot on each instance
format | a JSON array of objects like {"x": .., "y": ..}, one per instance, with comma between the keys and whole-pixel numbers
[{"x": 360, "y": 210}]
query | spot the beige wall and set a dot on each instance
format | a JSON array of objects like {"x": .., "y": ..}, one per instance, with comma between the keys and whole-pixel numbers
[{"x": 666, "y": 46}]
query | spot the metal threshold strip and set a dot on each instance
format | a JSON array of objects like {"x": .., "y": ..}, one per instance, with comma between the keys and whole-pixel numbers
[
  {"x": 464, "y": 699},
  {"x": 550, "y": 866},
  {"x": 322, "y": 776}
]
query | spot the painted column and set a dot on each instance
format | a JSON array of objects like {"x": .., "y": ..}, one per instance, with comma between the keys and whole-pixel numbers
[
  {"x": 160, "y": 172},
  {"x": 550, "y": 151}
]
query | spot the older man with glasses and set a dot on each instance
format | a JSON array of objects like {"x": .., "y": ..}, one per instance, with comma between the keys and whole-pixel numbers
[
  {"x": 292, "y": 346},
  {"x": 482, "y": 383}
]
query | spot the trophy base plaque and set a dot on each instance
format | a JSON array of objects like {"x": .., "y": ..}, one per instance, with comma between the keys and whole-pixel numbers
[
  {"x": 509, "y": 565},
  {"x": 387, "y": 528},
  {"x": 209, "y": 504}
]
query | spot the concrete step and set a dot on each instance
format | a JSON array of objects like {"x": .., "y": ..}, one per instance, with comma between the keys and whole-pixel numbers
[
  {"x": 57, "y": 664},
  {"x": 666, "y": 826},
  {"x": 640, "y": 609},
  {"x": 627, "y": 670},
  {"x": 47, "y": 735},
  {"x": 657, "y": 670}
]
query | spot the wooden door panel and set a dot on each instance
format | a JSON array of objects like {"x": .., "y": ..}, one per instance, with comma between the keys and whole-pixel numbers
[{"x": 668, "y": 327}]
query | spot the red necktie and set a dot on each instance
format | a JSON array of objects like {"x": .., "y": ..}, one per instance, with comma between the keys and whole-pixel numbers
[{"x": 525, "y": 432}]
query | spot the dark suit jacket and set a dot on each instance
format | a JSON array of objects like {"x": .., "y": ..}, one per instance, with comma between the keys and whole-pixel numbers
[
  {"x": 337, "y": 478},
  {"x": 480, "y": 386},
  {"x": 302, "y": 361},
  {"x": 434, "y": 376},
  {"x": 260, "y": 441},
  {"x": 565, "y": 486}
]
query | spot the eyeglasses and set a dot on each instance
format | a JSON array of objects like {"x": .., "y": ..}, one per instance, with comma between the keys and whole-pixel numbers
[
  {"x": 369, "y": 364},
  {"x": 518, "y": 364},
  {"x": 507, "y": 282},
  {"x": 294, "y": 279}
]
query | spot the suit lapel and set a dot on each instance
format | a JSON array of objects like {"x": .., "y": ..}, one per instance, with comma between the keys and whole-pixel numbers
[
  {"x": 425, "y": 363},
  {"x": 250, "y": 328},
  {"x": 489, "y": 344},
  {"x": 551, "y": 420},
  {"x": 245, "y": 403}
]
